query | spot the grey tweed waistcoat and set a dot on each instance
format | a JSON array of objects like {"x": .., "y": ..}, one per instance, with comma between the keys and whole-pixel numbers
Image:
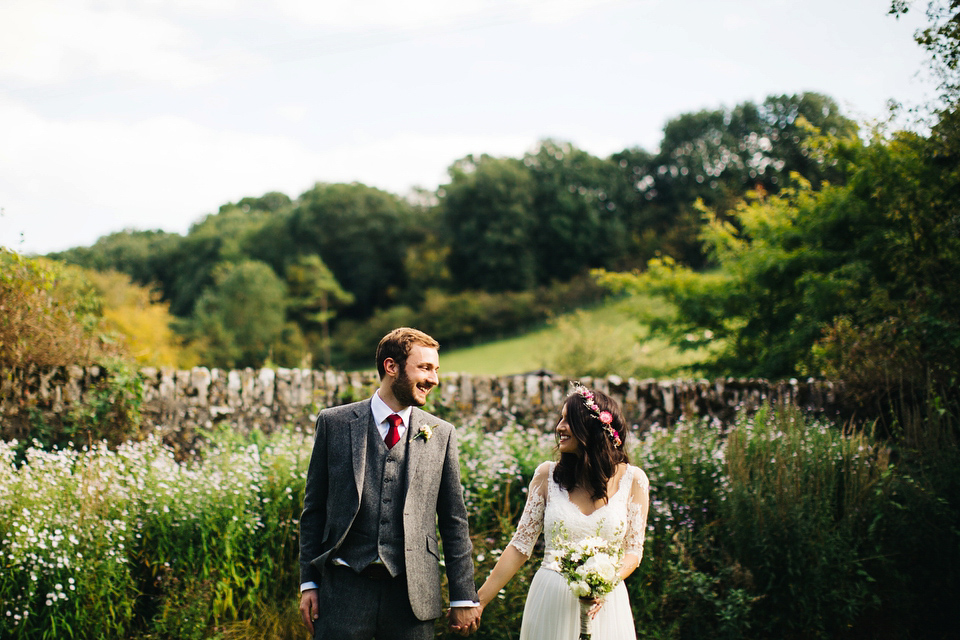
[{"x": 377, "y": 531}]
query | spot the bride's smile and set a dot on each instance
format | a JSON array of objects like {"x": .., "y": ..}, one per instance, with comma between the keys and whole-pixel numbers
[{"x": 566, "y": 443}]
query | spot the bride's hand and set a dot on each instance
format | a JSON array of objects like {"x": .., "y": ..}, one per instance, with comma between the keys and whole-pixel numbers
[{"x": 595, "y": 609}]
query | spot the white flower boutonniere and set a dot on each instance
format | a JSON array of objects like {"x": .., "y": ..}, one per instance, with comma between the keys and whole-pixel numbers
[{"x": 425, "y": 432}]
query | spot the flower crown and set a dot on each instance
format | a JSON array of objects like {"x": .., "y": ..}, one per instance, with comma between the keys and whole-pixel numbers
[{"x": 605, "y": 417}]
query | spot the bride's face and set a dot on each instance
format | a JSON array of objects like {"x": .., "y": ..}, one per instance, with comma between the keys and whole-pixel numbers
[{"x": 565, "y": 440}]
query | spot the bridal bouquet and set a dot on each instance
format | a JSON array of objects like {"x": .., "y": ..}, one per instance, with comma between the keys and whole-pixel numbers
[{"x": 591, "y": 567}]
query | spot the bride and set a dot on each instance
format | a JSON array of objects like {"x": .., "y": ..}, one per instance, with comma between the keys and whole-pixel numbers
[{"x": 592, "y": 490}]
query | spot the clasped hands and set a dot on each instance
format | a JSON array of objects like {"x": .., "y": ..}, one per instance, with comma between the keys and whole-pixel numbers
[{"x": 464, "y": 620}]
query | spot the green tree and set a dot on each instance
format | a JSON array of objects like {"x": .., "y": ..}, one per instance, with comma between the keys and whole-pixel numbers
[
  {"x": 879, "y": 254},
  {"x": 226, "y": 236},
  {"x": 362, "y": 235},
  {"x": 142, "y": 255},
  {"x": 240, "y": 319},
  {"x": 578, "y": 225},
  {"x": 488, "y": 213},
  {"x": 314, "y": 297},
  {"x": 941, "y": 39},
  {"x": 716, "y": 156},
  {"x": 271, "y": 202},
  {"x": 181, "y": 267}
]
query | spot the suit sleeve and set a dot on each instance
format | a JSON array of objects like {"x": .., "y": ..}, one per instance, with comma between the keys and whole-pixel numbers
[
  {"x": 313, "y": 517},
  {"x": 454, "y": 528}
]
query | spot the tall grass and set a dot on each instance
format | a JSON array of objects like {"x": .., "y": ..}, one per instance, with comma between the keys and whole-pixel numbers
[
  {"x": 801, "y": 502},
  {"x": 761, "y": 533},
  {"x": 102, "y": 543},
  {"x": 783, "y": 527}
]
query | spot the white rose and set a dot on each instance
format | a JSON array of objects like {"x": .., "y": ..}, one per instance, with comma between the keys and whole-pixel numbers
[
  {"x": 580, "y": 589},
  {"x": 601, "y": 565}
]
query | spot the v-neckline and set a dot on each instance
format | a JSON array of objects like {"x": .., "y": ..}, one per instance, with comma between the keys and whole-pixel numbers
[{"x": 601, "y": 507}]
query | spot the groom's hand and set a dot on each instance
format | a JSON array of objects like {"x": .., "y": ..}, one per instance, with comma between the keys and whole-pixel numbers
[
  {"x": 309, "y": 607},
  {"x": 465, "y": 620}
]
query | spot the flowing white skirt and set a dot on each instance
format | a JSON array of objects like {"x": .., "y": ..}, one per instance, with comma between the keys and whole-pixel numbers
[{"x": 552, "y": 612}]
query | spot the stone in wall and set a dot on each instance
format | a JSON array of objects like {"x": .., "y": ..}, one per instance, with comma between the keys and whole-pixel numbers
[{"x": 179, "y": 403}]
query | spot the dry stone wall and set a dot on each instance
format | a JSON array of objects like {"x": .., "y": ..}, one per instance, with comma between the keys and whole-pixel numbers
[{"x": 180, "y": 402}]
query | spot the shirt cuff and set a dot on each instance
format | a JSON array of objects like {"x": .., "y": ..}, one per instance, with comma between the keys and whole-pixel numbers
[
  {"x": 464, "y": 603},
  {"x": 308, "y": 585}
]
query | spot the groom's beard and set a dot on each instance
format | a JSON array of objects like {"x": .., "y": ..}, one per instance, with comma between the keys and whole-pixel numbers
[{"x": 402, "y": 389}]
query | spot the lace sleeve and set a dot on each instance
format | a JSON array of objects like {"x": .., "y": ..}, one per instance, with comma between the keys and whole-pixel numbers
[
  {"x": 637, "y": 509},
  {"x": 531, "y": 521}
]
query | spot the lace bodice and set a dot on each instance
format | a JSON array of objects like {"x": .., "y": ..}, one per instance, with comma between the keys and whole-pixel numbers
[{"x": 623, "y": 518}]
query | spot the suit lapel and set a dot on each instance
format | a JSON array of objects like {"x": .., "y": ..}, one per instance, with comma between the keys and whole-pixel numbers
[
  {"x": 358, "y": 443},
  {"x": 416, "y": 448}
]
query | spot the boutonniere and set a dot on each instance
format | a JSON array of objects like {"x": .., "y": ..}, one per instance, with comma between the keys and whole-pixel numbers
[{"x": 425, "y": 432}]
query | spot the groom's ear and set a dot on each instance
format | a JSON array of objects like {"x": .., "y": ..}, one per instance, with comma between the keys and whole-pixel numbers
[{"x": 390, "y": 367}]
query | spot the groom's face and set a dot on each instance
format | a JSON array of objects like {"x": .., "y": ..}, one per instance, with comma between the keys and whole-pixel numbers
[{"x": 417, "y": 377}]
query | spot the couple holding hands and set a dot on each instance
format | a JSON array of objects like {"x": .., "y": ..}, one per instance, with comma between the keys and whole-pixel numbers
[{"x": 384, "y": 479}]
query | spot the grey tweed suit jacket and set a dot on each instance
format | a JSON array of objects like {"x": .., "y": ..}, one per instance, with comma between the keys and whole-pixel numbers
[{"x": 434, "y": 500}]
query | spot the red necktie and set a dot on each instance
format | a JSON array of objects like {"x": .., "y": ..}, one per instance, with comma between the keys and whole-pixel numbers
[{"x": 393, "y": 435}]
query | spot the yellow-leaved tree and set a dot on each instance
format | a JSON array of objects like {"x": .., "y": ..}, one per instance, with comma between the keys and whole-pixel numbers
[{"x": 135, "y": 317}]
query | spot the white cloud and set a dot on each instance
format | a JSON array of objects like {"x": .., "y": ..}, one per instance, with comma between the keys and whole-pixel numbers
[
  {"x": 363, "y": 14},
  {"x": 292, "y": 112},
  {"x": 95, "y": 177},
  {"x": 65, "y": 183},
  {"x": 50, "y": 41},
  {"x": 408, "y": 159},
  {"x": 47, "y": 41}
]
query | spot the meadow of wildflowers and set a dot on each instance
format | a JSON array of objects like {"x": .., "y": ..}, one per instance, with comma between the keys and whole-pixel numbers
[
  {"x": 101, "y": 543},
  {"x": 767, "y": 530}
]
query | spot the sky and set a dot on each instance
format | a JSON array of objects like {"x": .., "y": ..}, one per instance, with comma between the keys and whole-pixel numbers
[{"x": 150, "y": 114}]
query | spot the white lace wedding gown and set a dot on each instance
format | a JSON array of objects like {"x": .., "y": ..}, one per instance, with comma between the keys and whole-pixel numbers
[{"x": 552, "y": 611}]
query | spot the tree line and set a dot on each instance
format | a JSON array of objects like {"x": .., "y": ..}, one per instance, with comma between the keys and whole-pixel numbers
[{"x": 502, "y": 244}]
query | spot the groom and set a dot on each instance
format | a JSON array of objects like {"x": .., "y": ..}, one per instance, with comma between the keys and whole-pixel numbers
[{"x": 384, "y": 476}]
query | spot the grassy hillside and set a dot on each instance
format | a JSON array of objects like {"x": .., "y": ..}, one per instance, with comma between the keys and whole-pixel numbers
[{"x": 611, "y": 338}]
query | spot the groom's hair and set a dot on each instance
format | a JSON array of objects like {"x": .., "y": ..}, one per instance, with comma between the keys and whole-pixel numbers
[{"x": 396, "y": 346}]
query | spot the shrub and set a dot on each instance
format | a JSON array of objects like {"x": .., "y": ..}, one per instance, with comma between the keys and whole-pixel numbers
[
  {"x": 48, "y": 314},
  {"x": 802, "y": 497},
  {"x": 111, "y": 412}
]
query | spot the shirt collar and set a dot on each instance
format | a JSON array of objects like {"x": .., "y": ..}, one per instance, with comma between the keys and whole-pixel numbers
[{"x": 381, "y": 410}]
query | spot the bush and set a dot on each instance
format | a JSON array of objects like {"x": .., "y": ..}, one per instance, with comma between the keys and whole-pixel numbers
[
  {"x": 797, "y": 515},
  {"x": 761, "y": 532},
  {"x": 48, "y": 314},
  {"x": 111, "y": 413}
]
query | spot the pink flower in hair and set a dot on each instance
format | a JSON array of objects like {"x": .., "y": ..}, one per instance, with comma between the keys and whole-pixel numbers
[{"x": 605, "y": 417}]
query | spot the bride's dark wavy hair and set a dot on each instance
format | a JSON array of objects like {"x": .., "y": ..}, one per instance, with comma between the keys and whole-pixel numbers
[{"x": 596, "y": 462}]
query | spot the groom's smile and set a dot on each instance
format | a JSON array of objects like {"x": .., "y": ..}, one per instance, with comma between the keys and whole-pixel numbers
[{"x": 418, "y": 376}]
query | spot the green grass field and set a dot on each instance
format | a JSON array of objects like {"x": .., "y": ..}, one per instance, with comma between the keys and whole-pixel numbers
[{"x": 607, "y": 339}]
